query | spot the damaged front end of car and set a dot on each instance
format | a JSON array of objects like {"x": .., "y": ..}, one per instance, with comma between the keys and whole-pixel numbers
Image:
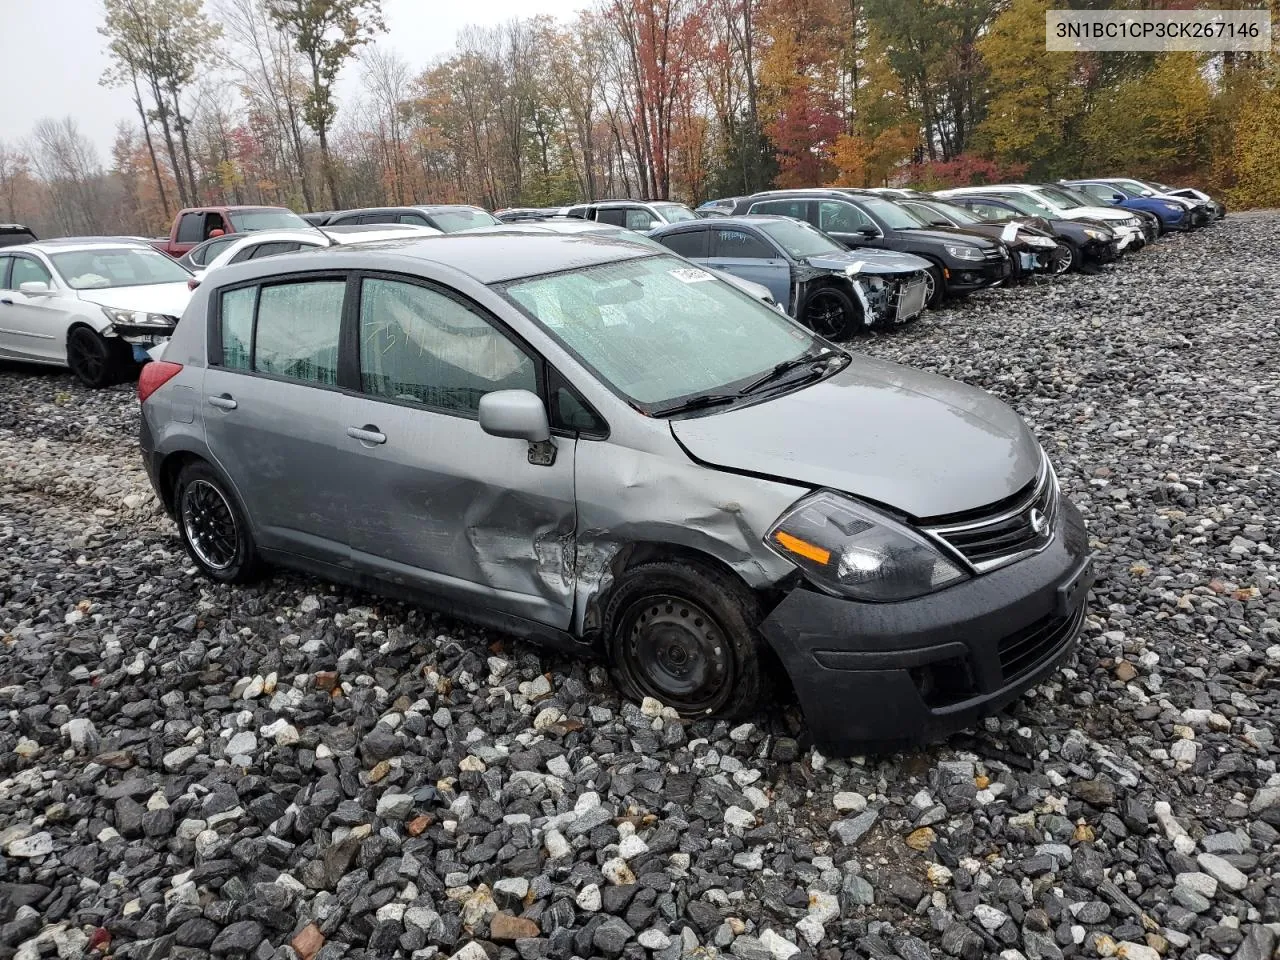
[{"x": 891, "y": 288}]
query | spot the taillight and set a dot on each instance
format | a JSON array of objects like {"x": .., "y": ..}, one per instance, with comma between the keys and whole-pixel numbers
[
  {"x": 155, "y": 375},
  {"x": 192, "y": 283}
]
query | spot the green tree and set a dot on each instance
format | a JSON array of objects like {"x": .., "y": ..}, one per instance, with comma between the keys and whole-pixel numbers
[
  {"x": 1035, "y": 96},
  {"x": 327, "y": 33}
]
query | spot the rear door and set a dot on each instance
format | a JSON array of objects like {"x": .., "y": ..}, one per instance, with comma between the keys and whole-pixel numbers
[
  {"x": 272, "y": 410},
  {"x": 441, "y": 505},
  {"x": 746, "y": 255}
]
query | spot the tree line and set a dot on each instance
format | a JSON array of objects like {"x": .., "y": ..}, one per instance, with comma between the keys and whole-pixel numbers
[{"x": 235, "y": 102}]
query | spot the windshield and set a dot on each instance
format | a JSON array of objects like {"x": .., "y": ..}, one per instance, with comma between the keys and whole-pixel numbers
[
  {"x": 675, "y": 212},
  {"x": 1028, "y": 205},
  {"x": 118, "y": 267},
  {"x": 1059, "y": 198},
  {"x": 800, "y": 239},
  {"x": 656, "y": 328},
  {"x": 246, "y": 221},
  {"x": 1081, "y": 198},
  {"x": 892, "y": 215},
  {"x": 1132, "y": 187},
  {"x": 949, "y": 213},
  {"x": 451, "y": 221}
]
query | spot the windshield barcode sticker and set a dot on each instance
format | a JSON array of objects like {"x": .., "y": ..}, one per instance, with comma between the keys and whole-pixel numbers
[{"x": 690, "y": 275}]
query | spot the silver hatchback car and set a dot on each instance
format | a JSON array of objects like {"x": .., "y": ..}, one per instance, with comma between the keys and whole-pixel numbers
[{"x": 602, "y": 447}]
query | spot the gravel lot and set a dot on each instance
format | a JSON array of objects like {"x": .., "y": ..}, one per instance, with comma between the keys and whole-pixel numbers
[{"x": 190, "y": 770}]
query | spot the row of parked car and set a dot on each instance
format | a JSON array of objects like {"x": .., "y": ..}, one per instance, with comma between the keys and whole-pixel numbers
[
  {"x": 576, "y": 433},
  {"x": 838, "y": 260}
]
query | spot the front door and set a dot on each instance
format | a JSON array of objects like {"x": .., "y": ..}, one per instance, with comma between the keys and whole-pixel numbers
[
  {"x": 745, "y": 255},
  {"x": 34, "y": 327},
  {"x": 272, "y": 412},
  {"x": 848, "y": 224},
  {"x": 439, "y": 504}
]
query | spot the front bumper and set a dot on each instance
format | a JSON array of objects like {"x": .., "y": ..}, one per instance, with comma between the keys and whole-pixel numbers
[
  {"x": 889, "y": 674},
  {"x": 968, "y": 276}
]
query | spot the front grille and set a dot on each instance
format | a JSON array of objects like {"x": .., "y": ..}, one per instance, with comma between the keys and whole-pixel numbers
[
  {"x": 1008, "y": 530},
  {"x": 1021, "y": 652}
]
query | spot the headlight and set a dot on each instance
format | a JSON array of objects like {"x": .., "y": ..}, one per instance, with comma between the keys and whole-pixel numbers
[
  {"x": 137, "y": 318},
  {"x": 1096, "y": 234},
  {"x": 1173, "y": 207},
  {"x": 1046, "y": 242},
  {"x": 963, "y": 252},
  {"x": 852, "y": 550},
  {"x": 1131, "y": 222}
]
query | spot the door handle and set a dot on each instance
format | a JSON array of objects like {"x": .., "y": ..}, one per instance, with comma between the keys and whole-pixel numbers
[
  {"x": 223, "y": 402},
  {"x": 369, "y": 433},
  {"x": 7, "y": 302}
]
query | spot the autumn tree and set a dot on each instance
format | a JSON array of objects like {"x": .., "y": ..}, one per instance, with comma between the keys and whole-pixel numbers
[{"x": 327, "y": 33}]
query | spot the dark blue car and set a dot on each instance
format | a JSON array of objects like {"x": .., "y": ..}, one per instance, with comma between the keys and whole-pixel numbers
[{"x": 1172, "y": 214}]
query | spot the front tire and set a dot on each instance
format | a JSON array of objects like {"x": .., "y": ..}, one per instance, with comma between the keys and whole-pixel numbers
[
  {"x": 830, "y": 313},
  {"x": 686, "y": 635},
  {"x": 1068, "y": 258},
  {"x": 937, "y": 291},
  {"x": 212, "y": 526},
  {"x": 96, "y": 361}
]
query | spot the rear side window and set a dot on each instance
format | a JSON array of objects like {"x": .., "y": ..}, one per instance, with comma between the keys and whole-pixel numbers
[
  {"x": 380, "y": 218},
  {"x": 989, "y": 210},
  {"x": 293, "y": 332},
  {"x": 782, "y": 208},
  {"x": 419, "y": 345},
  {"x": 4, "y": 273},
  {"x": 297, "y": 330},
  {"x": 615, "y": 216},
  {"x": 690, "y": 243},
  {"x": 191, "y": 228},
  {"x": 739, "y": 245}
]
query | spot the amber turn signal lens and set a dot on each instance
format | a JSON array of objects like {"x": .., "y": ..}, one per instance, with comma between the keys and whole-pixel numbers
[{"x": 802, "y": 548}]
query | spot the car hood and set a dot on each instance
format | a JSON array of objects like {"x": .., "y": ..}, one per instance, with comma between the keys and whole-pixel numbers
[
  {"x": 169, "y": 299},
  {"x": 871, "y": 261},
  {"x": 922, "y": 444},
  {"x": 950, "y": 235}
]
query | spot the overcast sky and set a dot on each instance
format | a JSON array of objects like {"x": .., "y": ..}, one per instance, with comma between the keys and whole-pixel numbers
[{"x": 54, "y": 57}]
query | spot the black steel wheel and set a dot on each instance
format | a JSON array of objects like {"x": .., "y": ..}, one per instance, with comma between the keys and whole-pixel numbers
[
  {"x": 684, "y": 635},
  {"x": 212, "y": 526},
  {"x": 829, "y": 313},
  {"x": 94, "y": 361}
]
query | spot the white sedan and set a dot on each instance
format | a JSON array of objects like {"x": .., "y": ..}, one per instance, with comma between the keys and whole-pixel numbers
[
  {"x": 91, "y": 305},
  {"x": 270, "y": 243}
]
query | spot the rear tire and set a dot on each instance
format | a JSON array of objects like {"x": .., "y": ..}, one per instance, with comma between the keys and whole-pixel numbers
[
  {"x": 95, "y": 360},
  {"x": 212, "y": 526},
  {"x": 830, "y": 313},
  {"x": 686, "y": 635}
]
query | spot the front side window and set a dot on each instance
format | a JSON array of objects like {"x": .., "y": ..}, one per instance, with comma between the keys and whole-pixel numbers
[
  {"x": 419, "y": 345},
  {"x": 26, "y": 270},
  {"x": 639, "y": 220},
  {"x": 657, "y": 328},
  {"x": 989, "y": 211},
  {"x": 205, "y": 253},
  {"x": 4, "y": 273},
  {"x": 892, "y": 215},
  {"x": 1058, "y": 198},
  {"x": 836, "y": 216},
  {"x": 117, "y": 267},
  {"x": 739, "y": 245},
  {"x": 297, "y": 330},
  {"x": 415, "y": 219},
  {"x": 675, "y": 212}
]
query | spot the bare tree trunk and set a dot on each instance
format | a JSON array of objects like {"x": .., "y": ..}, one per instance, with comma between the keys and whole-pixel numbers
[
  {"x": 151, "y": 148},
  {"x": 181, "y": 123}
]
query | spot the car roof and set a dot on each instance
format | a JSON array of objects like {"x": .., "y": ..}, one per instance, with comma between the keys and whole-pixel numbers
[
  {"x": 485, "y": 257},
  {"x": 79, "y": 245},
  {"x": 720, "y": 223}
]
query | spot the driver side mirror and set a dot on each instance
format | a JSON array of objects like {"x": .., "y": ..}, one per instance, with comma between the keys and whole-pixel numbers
[
  {"x": 35, "y": 288},
  {"x": 869, "y": 232},
  {"x": 215, "y": 232},
  {"x": 518, "y": 414}
]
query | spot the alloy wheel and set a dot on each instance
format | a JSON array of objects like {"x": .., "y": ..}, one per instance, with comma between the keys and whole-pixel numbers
[
  {"x": 209, "y": 525},
  {"x": 1064, "y": 260},
  {"x": 87, "y": 355},
  {"x": 674, "y": 652},
  {"x": 825, "y": 315}
]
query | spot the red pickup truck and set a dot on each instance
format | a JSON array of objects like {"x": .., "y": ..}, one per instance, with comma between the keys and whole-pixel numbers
[{"x": 197, "y": 224}]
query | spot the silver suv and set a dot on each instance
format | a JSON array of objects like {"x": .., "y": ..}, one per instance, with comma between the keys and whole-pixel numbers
[{"x": 602, "y": 447}]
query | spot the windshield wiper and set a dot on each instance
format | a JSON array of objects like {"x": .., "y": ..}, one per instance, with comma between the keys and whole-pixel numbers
[
  {"x": 694, "y": 403},
  {"x": 807, "y": 358}
]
